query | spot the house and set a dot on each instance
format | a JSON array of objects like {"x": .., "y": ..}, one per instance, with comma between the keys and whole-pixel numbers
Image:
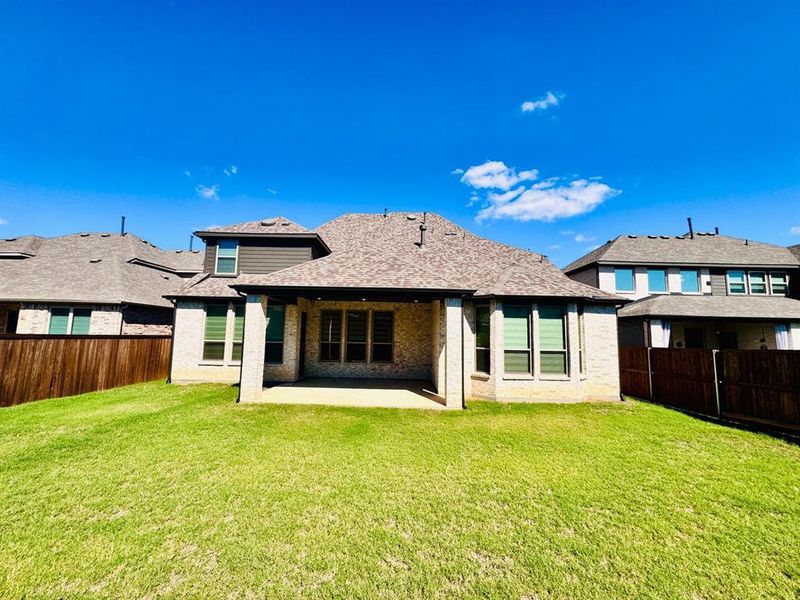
[
  {"x": 393, "y": 296},
  {"x": 89, "y": 283},
  {"x": 698, "y": 290}
]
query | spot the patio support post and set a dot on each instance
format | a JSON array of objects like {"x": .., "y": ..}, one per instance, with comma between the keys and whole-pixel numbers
[
  {"x": 251, "y": 382},
  {"x": 454, "y": 352}
]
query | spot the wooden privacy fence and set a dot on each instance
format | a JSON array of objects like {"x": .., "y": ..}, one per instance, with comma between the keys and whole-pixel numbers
[
  {"x": 33, "y": 367},
  {"x": 757, "y": 386}
]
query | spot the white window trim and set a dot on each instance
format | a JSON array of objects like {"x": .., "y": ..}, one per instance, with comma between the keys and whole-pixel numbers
[
  {"x": 647, "y": 275},
  {"x": 785, "y": 282},
  {"x": 235, "y": 261},
  {"x": 766, "y": 284},
  {"x": 699, "y": 291},
  {"x": 69, "y": 318},
  {"x": 633, "y": 277},
  {"x": 227, "y": 352},
  {"x": 744, "y": 282}
]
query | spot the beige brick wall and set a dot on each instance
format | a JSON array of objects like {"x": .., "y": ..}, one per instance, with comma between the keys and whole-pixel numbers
[
  {"x": 146, "y": 320},
  {"x": 105, "y": 320},
  {"x": 187, "y": 353},
  {"x": 412, "y": 341},
  {"x": 33, "y": 318}
]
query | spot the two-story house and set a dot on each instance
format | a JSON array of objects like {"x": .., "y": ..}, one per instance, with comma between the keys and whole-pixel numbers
[
  {"x": 401, "y": 296},
  {"x": 698, "y": 290}
]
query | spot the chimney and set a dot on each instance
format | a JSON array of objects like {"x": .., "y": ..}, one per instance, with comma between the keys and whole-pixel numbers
[
  {"x": 716, "y": 230},
  {"x": 191, "y": 241},
  {"x": 691, "y": 229},
  {"x": 122, "y": 226},
  {"x": 422, "y": 229}
]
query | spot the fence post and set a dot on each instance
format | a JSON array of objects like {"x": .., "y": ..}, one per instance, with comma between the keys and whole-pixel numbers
[
  {"x": 650, "y": 373},
  {"x": 714, "y": 356}
]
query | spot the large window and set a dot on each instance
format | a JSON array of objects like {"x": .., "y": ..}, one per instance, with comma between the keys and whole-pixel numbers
[
  {"x": 482, "y": 337},
  {"x": 216, "y": 326},
  {"x": 331, "y": 335},
  {"x": 553, "y": 340},
  {"x": 276, "y": 324},
  {"x": 737, "y": 283},
  {"x": 656, "y": 280},
  {"x": 690, "y": 281},
  {"x": 758, "y": 282},
  {"x": 517, "y": 338},
  {"x": 69, "y": 321},
  {"x": 778, "y": 283},
  {"x": 356, "y": 349},
  {"x": 624, "y": 280},
  {"x": 227, "y": 257},
  {"x": 382, "y": 337}
]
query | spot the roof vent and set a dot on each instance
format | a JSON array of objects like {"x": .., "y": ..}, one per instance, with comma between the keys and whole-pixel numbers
[
  {"x": 285, "y": 223},
  {"x": 178, "y": 251},
  {"x": 11, "y": 239},
  {"x": 268, "y": 222},
  {"x": 84, "y": 235},
  {"x": 451, "y": 233},
  {"x": 165, "y": 277},
  {"x": 633, "y": 237},
  {"x": 411, "y": 217},
  {"x": 105, "y": 235},
  {"x": 95, "y": 260},
  {"x": 652, "y": 237},
  {"x": 664, "y": 237}
]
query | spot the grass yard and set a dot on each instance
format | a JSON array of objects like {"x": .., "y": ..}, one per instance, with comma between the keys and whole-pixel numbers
[{"x": 158, "y": 491}]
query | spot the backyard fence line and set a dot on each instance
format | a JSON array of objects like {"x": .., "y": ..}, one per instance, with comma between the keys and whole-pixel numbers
[
  {"x": 754, "y": 386},
  {"x": 33, "y": 367}
]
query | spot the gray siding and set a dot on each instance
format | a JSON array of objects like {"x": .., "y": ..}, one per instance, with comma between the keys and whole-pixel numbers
[
  {"x": 263, "y": 256},
  {"x": 588, "y": 276},
  {"x": 719, "y": 284}
]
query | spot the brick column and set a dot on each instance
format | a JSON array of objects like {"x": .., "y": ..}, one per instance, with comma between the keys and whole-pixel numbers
[
  {"x": 251, "y": 383},
  {"x": 453, "y": 322}
]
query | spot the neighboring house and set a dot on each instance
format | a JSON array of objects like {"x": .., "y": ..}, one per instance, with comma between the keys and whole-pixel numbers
[
  {"x": 699, "y": 290},
  {"x": 89, "y": 283},
  {"x": 394, "y": 295}
]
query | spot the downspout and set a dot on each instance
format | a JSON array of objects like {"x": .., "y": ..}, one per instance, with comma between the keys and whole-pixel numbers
[
  {"x": 241, "y": 362},
  {"x": 172, "y": 344},
  {"x": 463, "y": 391}
]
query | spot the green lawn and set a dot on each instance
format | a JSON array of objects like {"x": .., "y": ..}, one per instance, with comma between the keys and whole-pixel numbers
[{"x": 159, "y": 491}]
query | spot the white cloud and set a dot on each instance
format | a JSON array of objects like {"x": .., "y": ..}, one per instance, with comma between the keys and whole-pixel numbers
[
  {"x": 457, "y": 172},
  {"x": 554, "y": 246},
  {"x": 549, "y": 99},
  {"x": 582, "y": 239},
  {"x": 272, "y": 191},
  {"x": 231, "y": 171},
  {"x": 795, "y": 230},
  {"x": 494, "y": 174},
  {"x": 187, "y": 172},
  {"x": 3, "y": 222},
  {"x": 208, "y": 192},
  {"x": 509, "y": 194}
]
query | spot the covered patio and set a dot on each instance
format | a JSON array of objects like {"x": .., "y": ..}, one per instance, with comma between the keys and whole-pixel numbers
[{"x": 376, "y": 393}]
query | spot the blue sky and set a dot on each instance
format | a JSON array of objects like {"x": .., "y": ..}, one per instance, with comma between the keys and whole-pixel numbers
[{"x": 547, "y": 126}]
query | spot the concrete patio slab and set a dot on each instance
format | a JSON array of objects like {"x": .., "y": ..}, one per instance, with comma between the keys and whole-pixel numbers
[{"x": 377, "y": 393}]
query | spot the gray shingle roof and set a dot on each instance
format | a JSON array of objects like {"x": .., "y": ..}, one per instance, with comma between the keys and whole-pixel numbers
[
  {"x": 20, "y": 247},
  {"x": 98, "y": 268},
  {"x": 796, "y": 251},
  {"x": 383, "y": 251},
  {"x": 704, "y": 249},
  {"x": 731, "y": 307},
  {"x": 266, "y": 226}
]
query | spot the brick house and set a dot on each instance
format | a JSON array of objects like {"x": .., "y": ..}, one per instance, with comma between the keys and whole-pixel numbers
[
  {"x": 698, "y": 290},
  {"x": 392, "y": 296},
  {"x": 89, "y": 283}
]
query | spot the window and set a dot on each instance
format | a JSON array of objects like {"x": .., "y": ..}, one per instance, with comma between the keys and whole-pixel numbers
[
  {"x": 758, "y": 282},
  {"x": 736, "y": 282},
  {"x": 216, "y": 326},
  {"x": 238, "y": 332},
  {"x": 656, "y": 280},
  {"x": 517, "y": 337},
  {"x": 581, "y": 341},
  {"x": 690, "y": 281},
  {"x": 276, "y": 324},
  {"x": 778, "y": 283},
  {"x": 356, "y": 349},
  {"x": 331, "y": 332},
  {"x": 553, "y": 340},
  {"x": 227, "y": 257},
  {"x": 482, "y": 330},
  {"x": 624, "y": 280},
  {"x": 69, "y": 321},
  {"x": 382, "y": 337}
]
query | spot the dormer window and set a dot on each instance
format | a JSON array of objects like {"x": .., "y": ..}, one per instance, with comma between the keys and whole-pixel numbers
[
  {"x": 227, "y": 257},
  {"x": 758, "y": 282},
  {"x": 778, "y": 283}
]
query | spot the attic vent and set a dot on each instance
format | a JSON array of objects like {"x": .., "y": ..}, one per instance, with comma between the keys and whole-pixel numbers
[
  {"x": 652, "y": 237},
  {"x": 166, "y": 277},
  {"x": 633, "y": 237},
  {"x": 411, "y": 217},
  {"x": 451, "y": 233},
  {"x": 105, "y": 235},
  {"x": 178, "y": 251},
  {"x": 95, "y": 260},
  {"x": 11, "y": 239},
  {"x": 268, "y": 222},
  {"x": 284, "y": 224},
  {"x": 84, "y": 235},
  {"x": 664, "y": 237}
]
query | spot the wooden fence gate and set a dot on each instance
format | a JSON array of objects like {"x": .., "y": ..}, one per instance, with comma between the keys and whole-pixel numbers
[{"x": 757, "y": 386}]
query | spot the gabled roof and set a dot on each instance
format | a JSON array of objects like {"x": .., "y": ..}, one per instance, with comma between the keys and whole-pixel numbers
[
  {"x": 97, "y": 268},
  {"x": 721, "y": 307},
  {"x": 268, "y": 226},
  {"x": 796, "y": 251},
  {"x": 23, "y": 247},
  {"x": 705, "y": 249}
]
